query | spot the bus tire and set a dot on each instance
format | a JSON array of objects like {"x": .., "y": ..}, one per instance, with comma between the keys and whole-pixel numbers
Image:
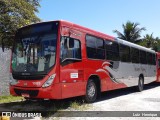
[
  {"x": 140, "y": 84},
  {"x": 91, "y": 91}
]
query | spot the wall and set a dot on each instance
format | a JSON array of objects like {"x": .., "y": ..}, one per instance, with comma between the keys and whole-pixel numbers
[{"x": 4, "y": 71}]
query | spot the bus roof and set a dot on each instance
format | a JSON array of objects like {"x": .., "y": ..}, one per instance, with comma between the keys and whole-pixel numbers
[
  {"x": 96, "y": 33},
  {"x": 87, "y": 30},
  {"x": 78, "y": 27},
  {"x": 134, "y": 45}
]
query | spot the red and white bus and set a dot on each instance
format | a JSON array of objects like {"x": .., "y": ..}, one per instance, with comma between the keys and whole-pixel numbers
[{"x": 59, "y": 59}]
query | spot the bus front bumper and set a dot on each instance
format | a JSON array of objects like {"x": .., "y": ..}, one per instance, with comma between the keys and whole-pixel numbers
[{"x": 51, "y": 92}]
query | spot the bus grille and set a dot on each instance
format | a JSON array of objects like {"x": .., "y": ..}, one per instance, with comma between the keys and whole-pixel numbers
[{"x": 31, "y": 93}]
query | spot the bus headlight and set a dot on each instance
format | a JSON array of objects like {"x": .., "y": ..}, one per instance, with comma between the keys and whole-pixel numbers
[
  {"x": 49, "y": 81},
  {"x": 12, "y": 80}
]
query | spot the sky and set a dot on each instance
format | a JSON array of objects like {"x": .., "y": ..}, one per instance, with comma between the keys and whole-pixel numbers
[{"x": 104, "y": 15}]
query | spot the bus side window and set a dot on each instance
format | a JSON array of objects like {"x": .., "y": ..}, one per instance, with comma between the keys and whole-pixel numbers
[
  {"x": 91, "y": 46},
  {"x": 74, "y": 50},
  {"x": 95, "y": 47},
  {"x": 149, "y": 58},
  {"x": 70, "y": 48},
  {"x": 135, "y": 55},
  {"x": 112, "y": 50},
  {"x": 143, "y": 59},
  {"x": 100, "y": 49},
  {"x": 153, "y": 59},
  {"x": 125, "y": 53}
]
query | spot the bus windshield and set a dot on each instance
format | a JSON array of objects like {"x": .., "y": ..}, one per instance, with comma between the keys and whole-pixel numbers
[{"x": 34, "y": 53}]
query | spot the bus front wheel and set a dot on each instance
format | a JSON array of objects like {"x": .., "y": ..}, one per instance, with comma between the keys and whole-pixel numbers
[{"x": 91, "y": 91}]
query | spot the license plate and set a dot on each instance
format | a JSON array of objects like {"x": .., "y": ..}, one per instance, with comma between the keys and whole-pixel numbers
[{"x": 25, "y": 95}]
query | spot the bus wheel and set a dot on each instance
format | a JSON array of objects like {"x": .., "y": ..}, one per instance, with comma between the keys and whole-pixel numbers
[
  {"x": 91, "y": 91},
  {"x": 140, "y": 84}
]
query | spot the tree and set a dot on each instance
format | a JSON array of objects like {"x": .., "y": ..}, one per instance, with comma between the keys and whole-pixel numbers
[
  {"x": 156, "y": 46},
  {"x": 15, "y": 14},
  {"x": 131, "y": 32},
  {"x": 150, "y": 42}
]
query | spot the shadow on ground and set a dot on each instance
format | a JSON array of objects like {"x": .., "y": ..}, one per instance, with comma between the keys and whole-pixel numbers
[
  {"x": 125, "y": 91},
  {"x": 50, "y": 108}
]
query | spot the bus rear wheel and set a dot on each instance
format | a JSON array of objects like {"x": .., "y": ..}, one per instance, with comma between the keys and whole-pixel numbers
[
  {"x": 140, "y": 84},
  {"x": 91, "y": 92}
]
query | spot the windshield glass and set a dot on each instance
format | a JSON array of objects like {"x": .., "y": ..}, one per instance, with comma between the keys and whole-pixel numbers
[{"x": 34, "y": 52}]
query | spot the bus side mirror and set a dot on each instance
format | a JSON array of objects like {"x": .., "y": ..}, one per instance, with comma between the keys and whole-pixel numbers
[{"x": 71, "y": 43}]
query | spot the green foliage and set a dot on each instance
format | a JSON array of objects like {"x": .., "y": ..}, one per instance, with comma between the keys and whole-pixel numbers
[
  {"x": 9, "y": 98},
  {"x": 150, "y": 42},
  {"x": 131, "y": 32},
  {"x": 15, "y": 14}
]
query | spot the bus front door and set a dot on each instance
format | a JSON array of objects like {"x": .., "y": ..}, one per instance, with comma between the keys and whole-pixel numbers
[{"x": 71, "y": 66}]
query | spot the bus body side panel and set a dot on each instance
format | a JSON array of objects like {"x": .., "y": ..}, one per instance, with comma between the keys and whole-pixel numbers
[
  {"x": 128, "y": 73},
  {"x": 97, "y": 67},
  {"x": 158, "y": 67},
  {"x": 71, "y": 78}
]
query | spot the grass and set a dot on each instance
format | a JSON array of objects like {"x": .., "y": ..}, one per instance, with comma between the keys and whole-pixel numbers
[
  {"x": 59, "y": 108},
  {"x": 79, "y": 106},
  {"x": 9, "y": 98},
  {"x": 52, "y": 108},
  {"x": 73, "y": 105}
]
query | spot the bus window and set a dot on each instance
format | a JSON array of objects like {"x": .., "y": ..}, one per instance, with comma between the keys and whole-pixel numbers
[
  {"x": 112, "y": 50},
  {"x": 95, "y": 47},
  {"x": 149, "y": 58},
  {"x": 153, "y": 59},
  {"x": 70, "y": 48},
  {"x": 125, "y": 53},
  {"x": 143, "y": 57},
  {"x": 134, "y": 55},
  {"x": 91, "y": 46},
  {"x": 100, "y": 49}
]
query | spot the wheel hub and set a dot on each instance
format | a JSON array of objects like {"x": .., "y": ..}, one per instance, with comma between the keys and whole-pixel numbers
[{"x": 91, "y": 90}]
